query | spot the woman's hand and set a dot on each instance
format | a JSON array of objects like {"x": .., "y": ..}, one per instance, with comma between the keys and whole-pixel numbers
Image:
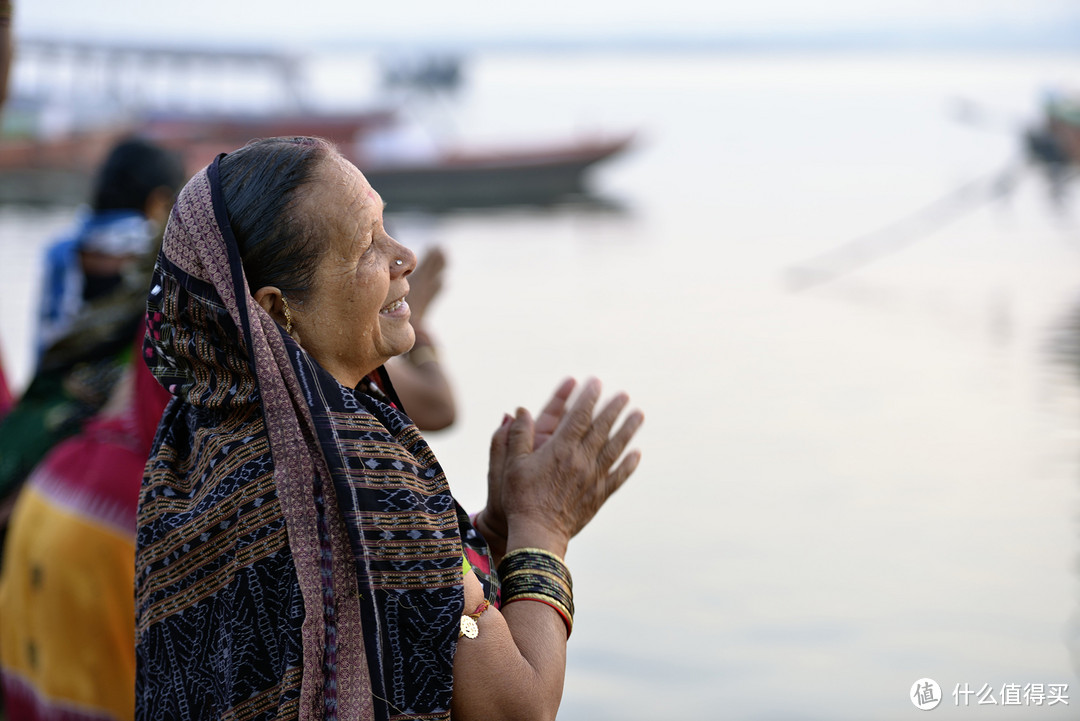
[
  {"x": 553, "y": 412},
  {"x": 548, "y": 478},
  {"x": 425, "y": 282},
  {"x": 549, "y": 492},
  {"x": 491, "y": 521}
]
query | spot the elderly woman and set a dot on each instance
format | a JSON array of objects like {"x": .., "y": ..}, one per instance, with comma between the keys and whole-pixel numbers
[{"x": 299, "y": 552}]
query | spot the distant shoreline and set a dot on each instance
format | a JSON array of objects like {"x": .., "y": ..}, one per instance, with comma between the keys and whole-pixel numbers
[{"x": 1038, "y": 38}]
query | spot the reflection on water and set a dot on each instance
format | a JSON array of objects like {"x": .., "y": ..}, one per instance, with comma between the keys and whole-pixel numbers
[
  {"x": 1064, "y": 347},
  {"x": 852, "y": 255},
  {"x": 1063, "y": 340},
  {"x": 844, "y": 490}
]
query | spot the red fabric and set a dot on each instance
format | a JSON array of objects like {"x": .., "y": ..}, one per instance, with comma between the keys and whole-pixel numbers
[
  {"x": 22, "y": 703},
  {"x": 6, "y": 400},
  {"x": 98, "y": 473},
  {"x": 148, "y": 403}
]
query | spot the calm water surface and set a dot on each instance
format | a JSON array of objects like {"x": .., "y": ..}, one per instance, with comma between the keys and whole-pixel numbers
[{"x": 844, "y": 490}]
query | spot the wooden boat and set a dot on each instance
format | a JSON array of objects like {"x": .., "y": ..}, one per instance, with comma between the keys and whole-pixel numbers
[
  {"x": 56, "y": 166},
  {"x": 235, "y": 129},
  {"x": 60, "y": 170},
  {"x": 437, "y": 180},
  {"x": 480, "y": 178},
  {"x": 199, "y": 138}
]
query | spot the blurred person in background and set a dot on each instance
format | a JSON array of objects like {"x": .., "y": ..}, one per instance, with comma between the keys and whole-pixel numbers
[
  {"x": 418, "y": 375},
  {"x": 78, "y": 369},
  {"x": 131, "y": 200},
  {"x": 67, "y": 616},
  {"x": 299, "y": 553}
]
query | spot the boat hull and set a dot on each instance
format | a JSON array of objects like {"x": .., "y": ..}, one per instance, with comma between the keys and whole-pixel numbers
[
  {"x": 468, "y": 181},
  {"x": 60, "y": 171}
]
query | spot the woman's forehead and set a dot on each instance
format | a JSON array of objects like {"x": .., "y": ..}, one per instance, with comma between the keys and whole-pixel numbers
[
  {"x": 344, "y": 204},
  {"x": 341, "y": 177}
]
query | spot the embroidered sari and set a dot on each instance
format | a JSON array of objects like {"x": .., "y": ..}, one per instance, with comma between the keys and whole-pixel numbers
[{"x": 299, "y": 553}]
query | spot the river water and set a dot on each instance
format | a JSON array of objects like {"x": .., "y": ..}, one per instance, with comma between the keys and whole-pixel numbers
[{"x": 844, "y": 489}]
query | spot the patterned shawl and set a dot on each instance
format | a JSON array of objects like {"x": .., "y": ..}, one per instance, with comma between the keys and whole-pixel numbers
[{"x": 299, "y": 553}]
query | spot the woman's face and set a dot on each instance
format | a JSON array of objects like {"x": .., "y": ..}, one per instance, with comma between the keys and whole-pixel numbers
[{"x": 355, "y": 317}]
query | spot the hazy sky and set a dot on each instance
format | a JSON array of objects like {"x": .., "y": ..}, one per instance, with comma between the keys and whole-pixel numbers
[{"x": 307, "y": 22}]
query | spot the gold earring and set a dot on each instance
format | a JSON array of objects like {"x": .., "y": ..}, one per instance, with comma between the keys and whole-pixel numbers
[{"x": 288, "y": 315}]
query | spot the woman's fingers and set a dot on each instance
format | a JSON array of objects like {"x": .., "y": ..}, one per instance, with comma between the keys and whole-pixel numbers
[
  {"x": 425, "y": 282},
  {"x": 604, "y": 421},
  {"x": 520, "y": 434},
  {"x": 558, "y": 399},
  {"x": 562, "y": 484},
  {"x": 577, "y": 421},
  {"x": 549, "y": 417},
  {"x": 499, "y": 442},
  {"x": 617, "y": 443},
  {"x": 602, "y": 488},
  {"x": 622, "y": 472},
  {"x": 435, "y": 259}
]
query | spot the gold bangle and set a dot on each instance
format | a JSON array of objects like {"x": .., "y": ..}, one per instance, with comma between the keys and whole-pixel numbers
[{"x": 535, "y": 574}]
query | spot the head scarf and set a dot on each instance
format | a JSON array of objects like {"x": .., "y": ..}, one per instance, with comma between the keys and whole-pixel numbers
[
  {"x": 299, "y": 552},
  {"x": 117, "y": 232},
  {"x": 66, "y": 300}
]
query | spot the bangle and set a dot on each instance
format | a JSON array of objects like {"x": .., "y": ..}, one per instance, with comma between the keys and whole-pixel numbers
[
  {"x": 533, "y": 574},
  {"x": 469, "y": 629}
]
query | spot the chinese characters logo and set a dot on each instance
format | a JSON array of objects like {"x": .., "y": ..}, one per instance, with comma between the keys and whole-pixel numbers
[{"x": 925, "y": 694}]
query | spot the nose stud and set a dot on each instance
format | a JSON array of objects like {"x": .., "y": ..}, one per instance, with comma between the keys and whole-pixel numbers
[{"x": 398, "y": 262}]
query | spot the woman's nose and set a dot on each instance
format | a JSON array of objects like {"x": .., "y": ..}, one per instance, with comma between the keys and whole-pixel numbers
[{"x": 404, "y": 260}]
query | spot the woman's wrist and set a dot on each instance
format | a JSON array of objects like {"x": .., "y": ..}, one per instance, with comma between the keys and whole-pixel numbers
[
  {"x": 531, "y": 532},
  {"x": 495, "y": 538}
]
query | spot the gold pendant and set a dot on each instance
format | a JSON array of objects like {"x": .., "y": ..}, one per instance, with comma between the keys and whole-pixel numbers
[{"x": 469, "y": 629}]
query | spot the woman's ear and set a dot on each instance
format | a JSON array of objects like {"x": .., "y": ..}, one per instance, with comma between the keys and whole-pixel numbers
[{"x": 273, "y": 302}]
